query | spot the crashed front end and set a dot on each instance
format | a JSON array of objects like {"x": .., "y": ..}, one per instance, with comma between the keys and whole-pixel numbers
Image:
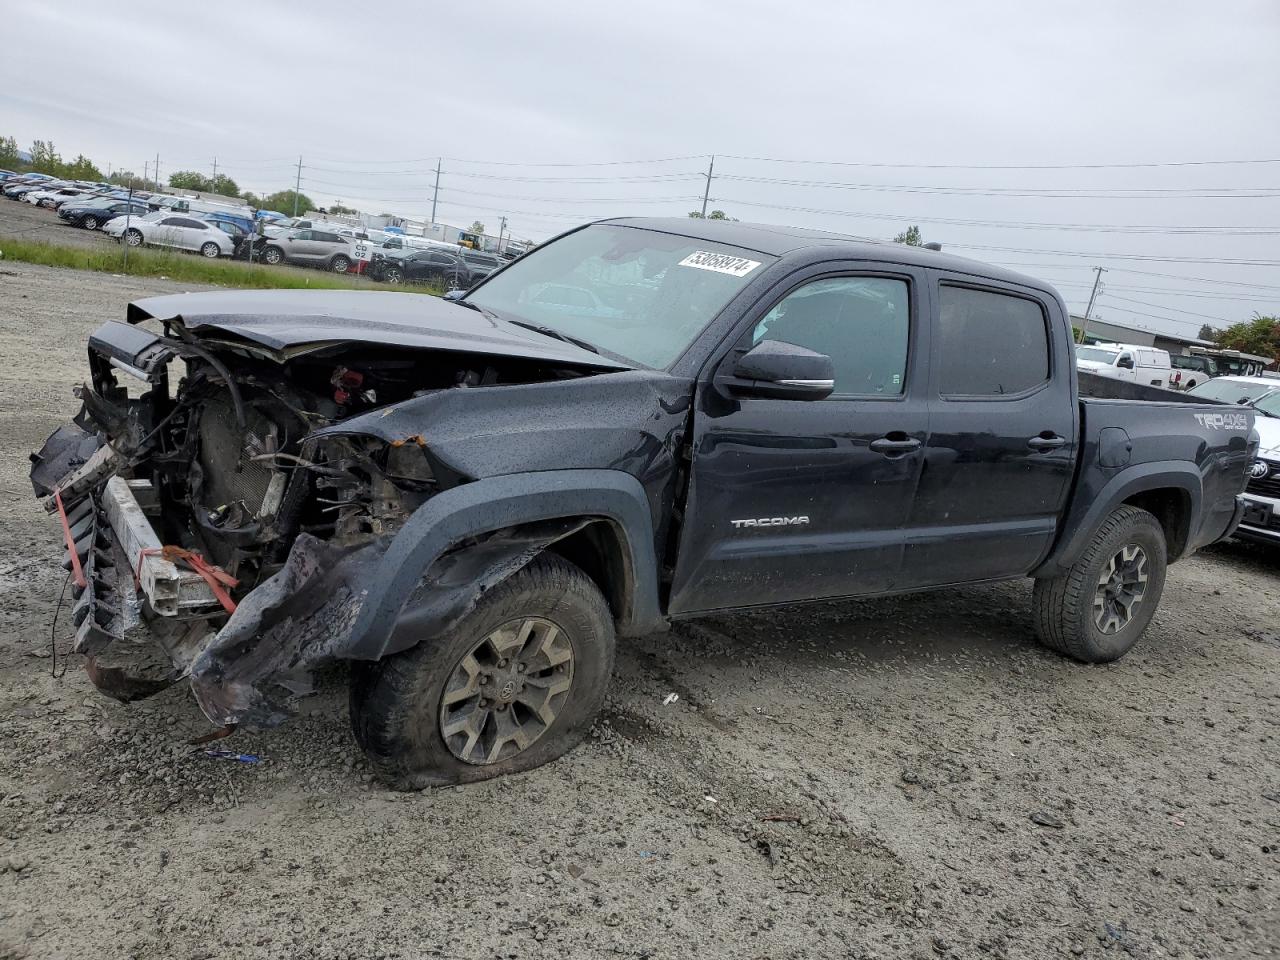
[{"x": 222, "y": 524}]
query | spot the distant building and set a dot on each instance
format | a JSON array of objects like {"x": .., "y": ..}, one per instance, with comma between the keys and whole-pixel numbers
[{"x": 1100, "y": 331}]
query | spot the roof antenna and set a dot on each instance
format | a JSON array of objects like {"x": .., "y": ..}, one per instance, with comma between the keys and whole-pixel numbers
[{"x": 933, "y": 245}]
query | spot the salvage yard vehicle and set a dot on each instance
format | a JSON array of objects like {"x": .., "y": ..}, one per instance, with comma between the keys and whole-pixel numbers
[
  {"x": 178, "y": 231},
  {"x": 94, "y": 213},
  {"x": 420, "y": 266},
  {"x": 469, "y": 498},
  {"x": 309, "y": 248},
  {"x": 1130, "y": 362}
]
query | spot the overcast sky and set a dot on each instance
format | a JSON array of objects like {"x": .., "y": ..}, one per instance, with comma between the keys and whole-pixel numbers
[{"x": 370, "y": 94}]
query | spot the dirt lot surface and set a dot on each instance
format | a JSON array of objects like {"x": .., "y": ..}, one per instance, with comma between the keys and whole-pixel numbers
[
  {"x": 29, "y": 222},
  {"x": 909, "y": 777}
]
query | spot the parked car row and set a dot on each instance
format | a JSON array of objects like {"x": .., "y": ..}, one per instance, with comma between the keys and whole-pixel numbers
[
  {"x": 213, "y": 229},
  {"x": 1134, "y": 363}
]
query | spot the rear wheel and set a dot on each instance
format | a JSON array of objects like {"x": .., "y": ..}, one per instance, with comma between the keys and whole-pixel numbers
[
  {"x": 340, "y": 264},
  {"x": 1098, "y": 609},
  {"x": 133, "y": 237},
  {"x": 89, "y": 223},
  {"x": 210, "y": 250},
  {"x": 514, "y": 685}
]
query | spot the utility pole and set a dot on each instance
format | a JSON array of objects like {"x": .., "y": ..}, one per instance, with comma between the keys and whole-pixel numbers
[
  {"x": 145, "y": 164},
  {"x": 215, "y": 168},
  {"x": 157, "y": 171},
  {"x": 297, "y": 187},
  {"x": 502, "y": 227},
  {"x": 1093, "y": 295},
  {"x": 435, "y": 196},
  {"x": 707, "y": 192}
]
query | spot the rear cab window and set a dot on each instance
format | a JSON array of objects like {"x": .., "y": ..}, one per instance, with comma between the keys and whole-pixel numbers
[{"x": 991, "y": 343}]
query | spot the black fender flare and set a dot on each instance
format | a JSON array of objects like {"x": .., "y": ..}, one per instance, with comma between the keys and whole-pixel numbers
[
  {"x": 1129, "y": 482},
  {"x": 496, "y": 503}
]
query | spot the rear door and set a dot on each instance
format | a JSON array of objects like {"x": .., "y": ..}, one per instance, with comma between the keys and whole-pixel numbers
[
  {"x": 167, "y": 232},
  {"x": 1002, "y": 440},
  {"x": 802, "y": 499}
]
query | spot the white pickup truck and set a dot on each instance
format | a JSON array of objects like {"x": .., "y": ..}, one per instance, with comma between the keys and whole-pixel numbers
[{"x": 1131, "y": 362}]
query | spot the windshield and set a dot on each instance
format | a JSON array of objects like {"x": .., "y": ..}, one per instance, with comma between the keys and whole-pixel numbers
[
  {"x": 639, "y": 294},
  {"x": 1097, "y": 355},
  {"x": 1231, "y": 391},
  {"x": 1270, "y": 404}
]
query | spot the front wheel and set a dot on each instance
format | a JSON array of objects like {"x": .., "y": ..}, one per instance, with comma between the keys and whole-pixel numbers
[
  {"x": 513, "y": 686},
  {"x": 1097, "y": 610},
  {"x": 272, "y": 255},
  {"x": 339, "y": 264},
  {"x": 210, "y": 250},
  {"x": 393, "y": 275},
  {"x": 133, "y": 237}
]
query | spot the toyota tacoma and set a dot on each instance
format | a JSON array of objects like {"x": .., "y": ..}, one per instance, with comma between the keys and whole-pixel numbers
[{"x": 469, "y": 498}]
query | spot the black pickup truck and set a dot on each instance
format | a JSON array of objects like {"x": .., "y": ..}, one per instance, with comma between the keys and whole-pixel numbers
[{"x": 469, "y": 498}]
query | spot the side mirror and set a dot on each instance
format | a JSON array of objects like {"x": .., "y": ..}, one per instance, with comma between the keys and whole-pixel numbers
[
  {"x": 1125, "y": 363},
  {"x": 783, "y": 371}
]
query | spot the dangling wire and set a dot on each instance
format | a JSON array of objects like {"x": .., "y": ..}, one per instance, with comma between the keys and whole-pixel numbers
[{"x": 53, "y": 633}]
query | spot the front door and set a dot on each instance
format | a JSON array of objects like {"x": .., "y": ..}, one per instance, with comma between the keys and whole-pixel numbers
[
  {"x": 1002, "y": 440},
  {"x": 799, "y": 499}
]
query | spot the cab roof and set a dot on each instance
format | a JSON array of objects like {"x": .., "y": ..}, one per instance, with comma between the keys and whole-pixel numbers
[{"x": 782, "y": 241}]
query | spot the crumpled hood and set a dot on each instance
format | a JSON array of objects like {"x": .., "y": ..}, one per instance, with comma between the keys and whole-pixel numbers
[{"x": 289, "y": 322}]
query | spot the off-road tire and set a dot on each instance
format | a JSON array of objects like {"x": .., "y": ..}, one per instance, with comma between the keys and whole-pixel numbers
[
  {"x": 1064, "y": 606},
  {"x": 396, "y": 702},
  {"x": 273, "y": 256}
]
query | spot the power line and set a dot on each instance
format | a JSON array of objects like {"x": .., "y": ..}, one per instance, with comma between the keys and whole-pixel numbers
[
  {"x": 1161, "y": 306},
  {"x": 1015, "y": 224},
  {"x": 1232, "y": 261},
  {"x": 1119, "y": 193},
  {"x": 1002, "y": 166}
]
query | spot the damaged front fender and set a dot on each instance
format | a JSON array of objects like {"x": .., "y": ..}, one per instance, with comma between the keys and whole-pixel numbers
[{"x": 367, "y": 602}]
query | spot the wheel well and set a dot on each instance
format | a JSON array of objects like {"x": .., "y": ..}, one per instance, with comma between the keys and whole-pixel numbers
[
  {"x": 1172, "y": 507},
  {"x": 597, "y": 549}
]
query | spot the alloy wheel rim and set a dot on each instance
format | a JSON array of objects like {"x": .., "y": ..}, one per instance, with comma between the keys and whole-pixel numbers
[
  {"x": 1121, "y": 588},
  {"x": 134, "y": 239},
  {"x": 90, "y": 223},
  {"x": 210, "y": 250},
  {"x": 507, "y": 691}
]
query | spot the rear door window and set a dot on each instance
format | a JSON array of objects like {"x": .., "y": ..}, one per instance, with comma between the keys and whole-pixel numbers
[{"x": 990, "y": 343}]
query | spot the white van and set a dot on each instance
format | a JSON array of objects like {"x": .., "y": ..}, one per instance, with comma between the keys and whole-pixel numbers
[{"x": 1148, "y": 366}]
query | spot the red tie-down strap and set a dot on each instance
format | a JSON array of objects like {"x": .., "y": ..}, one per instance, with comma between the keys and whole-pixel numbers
[
  {"x": 217, "y": 578},
  {"x": 71, "y": 544}
]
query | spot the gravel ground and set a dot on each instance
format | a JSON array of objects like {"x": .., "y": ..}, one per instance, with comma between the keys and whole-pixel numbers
[
  {"x": 910, "y": 777},
  {"x": 26, "y": 220}
]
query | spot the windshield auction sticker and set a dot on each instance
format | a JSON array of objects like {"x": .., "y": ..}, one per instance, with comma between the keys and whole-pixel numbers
[{"x": 720, "y": 263}]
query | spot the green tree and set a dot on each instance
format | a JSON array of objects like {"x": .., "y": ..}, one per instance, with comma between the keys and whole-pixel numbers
[
  {"x": 477, "y": 227},
  {"x": 188, "y": 180},
  {"x": 9, "y": 158},
  {"x": 82, "y": 168},
  {"x": 713, "y": 215},
  {"x": 910, "y": 236},
  {"x": 44, "y": 157},
  {"x": 127, "y": 178},
  {"x": 339, "y": 208},
  {"x": 1207, "y": 332},
  {"x": 252, "y": 199},
  {"x": 1260, "y": 336},
  {"x": 282, "y": 201},
  {"x": 223, "y": 186}
]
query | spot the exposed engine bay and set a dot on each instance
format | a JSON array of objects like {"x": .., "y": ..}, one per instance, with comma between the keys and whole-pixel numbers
[{"x": 219, "y": 514}]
